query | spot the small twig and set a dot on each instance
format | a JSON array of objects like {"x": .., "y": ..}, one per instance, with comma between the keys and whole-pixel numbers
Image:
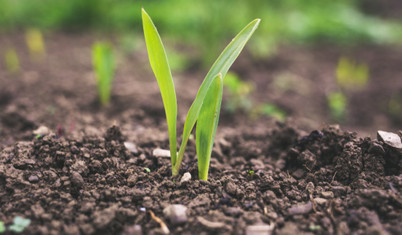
[
  {"x": 333, "y": 177},
  {"x": 305, "y": 165},
  {"x": 331, "y": 216},
  {"x": 164, "y": 227}
]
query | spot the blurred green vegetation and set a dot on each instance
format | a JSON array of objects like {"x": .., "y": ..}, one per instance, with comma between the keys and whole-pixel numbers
[
  {"x": 206, "y": 23},
  {"x": 351, "y": 75},
  {"x": 103, "y": 60},
  {"x": 337, "y": 102},
  {"x": 11, "y": 60}
]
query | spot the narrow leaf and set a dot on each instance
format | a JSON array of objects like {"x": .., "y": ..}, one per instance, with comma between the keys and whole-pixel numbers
[
  {"x": 207, "y": 124},
  {"x": 221, "y": 65},
  {"x": 160, "y": 66},
  {"x": 104, "y": 65}
]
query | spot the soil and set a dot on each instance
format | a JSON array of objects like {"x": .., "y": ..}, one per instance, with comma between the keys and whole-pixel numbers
[{"x": 91, "y": 170}]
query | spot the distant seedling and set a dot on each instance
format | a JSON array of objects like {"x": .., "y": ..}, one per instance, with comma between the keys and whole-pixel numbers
[
  {"x": 239, "y": 93},
  {"x": 12, "y": 61},
  {"x": 272, "y": 110},
  {"x": 35, "y": 43},
  {"x": 239, "y": 99},
  {"x": 205, "y": 109},
  {"x": 350, "y": 74},
  {"x": 104, "y": 65},
  {"x": 2, "y": 227},
  {"x": 337, "y": 102}
]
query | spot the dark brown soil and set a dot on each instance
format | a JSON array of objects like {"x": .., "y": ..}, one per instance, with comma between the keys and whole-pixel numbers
[
  {"x": 326, "y": 182},
  {"x": 85, "y": 175}
]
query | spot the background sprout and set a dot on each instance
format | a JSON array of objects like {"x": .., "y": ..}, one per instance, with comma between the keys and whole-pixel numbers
[
  {"x": 350, "y": 74},
  {"x": 337, "y": 102},
  {"x": 12, "y": 61},
  {"x": 2, "y": 227},
  {"x": 272, "y": 110},
  {"x": 238, "y": 93},
  {"x": 206, "y": 106},
  {"x": 35, "y": 43},
  {"x": 104, "y": 65}
]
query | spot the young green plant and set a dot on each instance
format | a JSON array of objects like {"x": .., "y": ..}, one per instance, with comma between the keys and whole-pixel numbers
[
  {"x": 104, "y": 65},
  {"x": 206, "y": 106},
  {"x": 12, "y": 61},
  {"x": 35, "y": 43}
]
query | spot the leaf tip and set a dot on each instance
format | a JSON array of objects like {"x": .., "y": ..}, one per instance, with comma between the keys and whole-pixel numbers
[{"x": 143, "y": 12}]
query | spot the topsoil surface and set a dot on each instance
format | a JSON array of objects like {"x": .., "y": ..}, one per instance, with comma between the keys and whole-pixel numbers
[{"x": 92, "y": 170}]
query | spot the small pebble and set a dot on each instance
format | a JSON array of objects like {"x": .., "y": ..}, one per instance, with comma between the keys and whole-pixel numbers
[
  {"x": 176, "y": 213},
  {"x": 186, "y": 177},
  {"x": 42, "y": 130},
  {"x": 33, "y": 179},
  {"x": 131, "y": 147},
  {"x": 390, "y": 139},
  {"x": 259, "y": 229},
  {"x": 233, "y": 211},
  {"x": 301, "y": 209},
  {"x": 77, "y": 179},
  {"x": 320, "y": 201},
  {"x": 298, "y": 174},
  {"x": 280, "y": 164},
  {"x": 210, "y": 224},
  {"x": 161, "y": 153},
  {"x": 327, "y": 194},
  {"x": 339, "y": 190},
  {"x": 132, "y": 230}
]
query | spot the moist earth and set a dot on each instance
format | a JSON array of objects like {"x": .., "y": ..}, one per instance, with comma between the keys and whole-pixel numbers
[
  {"x": 328, "y": 181},
  {"x": 62, "y": 167}
]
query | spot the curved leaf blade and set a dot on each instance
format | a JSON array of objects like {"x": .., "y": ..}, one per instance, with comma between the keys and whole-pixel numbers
[
  {"x": 221, "y": 65},
  {"x": 160, "y": 66},
  {"x": 207, "y": 124}
]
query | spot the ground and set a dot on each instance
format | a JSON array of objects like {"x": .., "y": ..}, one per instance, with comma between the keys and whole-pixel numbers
[{"x": 87, "y": 171}]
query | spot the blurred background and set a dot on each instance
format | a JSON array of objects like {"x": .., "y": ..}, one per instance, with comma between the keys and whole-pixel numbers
[{"x": 315, "y": 62}]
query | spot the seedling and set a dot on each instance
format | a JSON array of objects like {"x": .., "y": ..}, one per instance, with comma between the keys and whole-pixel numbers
[
  {"x": 2, "y": 227},
  {"x": 239, "y": 93},
  {"x": 104, "y": 65},
  {"x": 272, "y": 110},
  {"x": 147, "y": 170},
  {"x": 12, "y": 61},
  {"x": 239, "y": 99},
  {"x": 206, "y": 106},
  {"x": 395, "y": 107},
  {"x": 337, "y": 102},
  {"x": 350, "y": 74},
  {"x": 35, "y": 43}
]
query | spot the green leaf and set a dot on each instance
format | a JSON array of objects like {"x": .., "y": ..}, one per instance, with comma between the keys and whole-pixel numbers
[
  {"x": 104, "y": 65},
  {"x": 160, "y": 66},
  {"x": 2, "y": 227},
  {"x": 207, "y": 124},
  {"x": 221, "y": 65}
]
